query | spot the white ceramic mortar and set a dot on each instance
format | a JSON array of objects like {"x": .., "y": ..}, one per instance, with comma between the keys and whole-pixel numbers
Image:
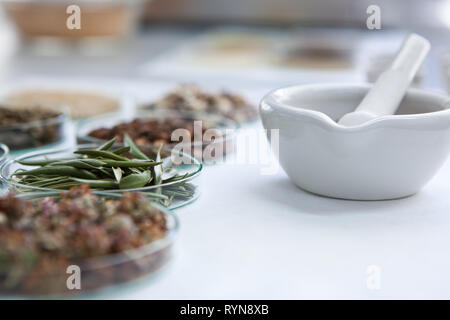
[{"x": 390, "y": 157}]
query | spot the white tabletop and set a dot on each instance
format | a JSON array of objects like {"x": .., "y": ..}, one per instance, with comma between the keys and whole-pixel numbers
[{"x": 254, "y": 236}]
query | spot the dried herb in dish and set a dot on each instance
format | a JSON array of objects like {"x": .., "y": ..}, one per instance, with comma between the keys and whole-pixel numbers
[
  {"x": 30, "y": 127},
  {"x": 12, "y": 116},
  {"x": 191, "y": 98},
  {"x": 151, "y": 131},
  {"x": 40, "y": 239},
  {"x": 158, "y": 131}
]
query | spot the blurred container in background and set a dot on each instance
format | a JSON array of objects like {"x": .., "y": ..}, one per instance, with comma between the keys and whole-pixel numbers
[
  {"x": 399, "y": 13},
  {"x": 445, "y": 65},
  {"x": 8, "y": 44},
  {"x": 99, "y": 18},
  {"x": 379, "y": 63}
]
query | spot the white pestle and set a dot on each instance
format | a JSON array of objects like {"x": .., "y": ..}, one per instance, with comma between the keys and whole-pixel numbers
[{"x": 388, "y": 91}]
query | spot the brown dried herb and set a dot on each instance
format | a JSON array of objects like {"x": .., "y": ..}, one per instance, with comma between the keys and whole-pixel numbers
[
  {"x": 38, "y": 240},
  {"x": 29, "y": 127},
  {"x": 193, "y": 99},
  {"x": 152, "y": 131}
]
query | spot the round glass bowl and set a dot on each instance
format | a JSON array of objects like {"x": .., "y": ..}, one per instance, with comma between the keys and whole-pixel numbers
[
  {"x": 171, "y": 195},
  {"x": 4, "y": 152},
  {"x": 209, "y": 147},
  {"x": 98, "y": 272},
  {"x": 38, "y": 133}
]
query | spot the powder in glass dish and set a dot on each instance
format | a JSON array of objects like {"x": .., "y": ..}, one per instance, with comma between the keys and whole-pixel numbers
[{"x": 81, "y": 104}]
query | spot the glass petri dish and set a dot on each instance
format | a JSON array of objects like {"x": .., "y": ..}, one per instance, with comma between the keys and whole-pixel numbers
[
  {"x": 202, "y": 101},
  {"x": 172, "y": 195},
  {"x": 80, "y": 102},
  {"x": 97, "y": 273},
  {"x": 4, "y": 152},
  {"x": 39, "y": 133},
  {"x": 208, "y": 149}
]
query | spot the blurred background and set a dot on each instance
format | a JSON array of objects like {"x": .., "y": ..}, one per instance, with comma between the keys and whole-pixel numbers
[
  {"x": 260, "y": 43},
  {"x": 330, "y": 13}
]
